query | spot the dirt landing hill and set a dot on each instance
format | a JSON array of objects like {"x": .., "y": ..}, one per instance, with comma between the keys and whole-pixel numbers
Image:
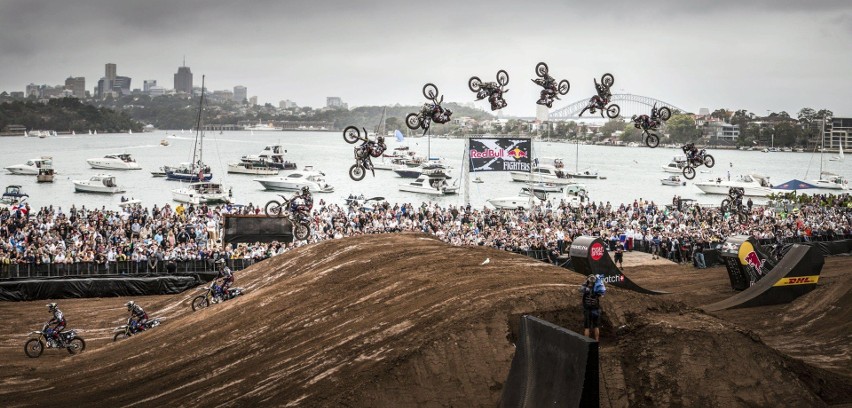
[{"x": 395, "y": 321}]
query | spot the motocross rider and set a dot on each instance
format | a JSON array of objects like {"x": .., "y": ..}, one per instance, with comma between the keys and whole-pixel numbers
[
  {"x": 600, "y": 100},
  {"x": 736, "y": 194},
  {"x": 691, "y": 151},
  {"x": 138, "y": 317},
  {"x": 375, "y": 149},
  {"x": 227, "y": 278},
  {"x": 549, "y": 92},
  {"x": 304, "y": 202},
  {"x": 58, "y": 320}
]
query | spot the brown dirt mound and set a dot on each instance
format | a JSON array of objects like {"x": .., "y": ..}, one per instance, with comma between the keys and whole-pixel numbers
[{"x": 395, "y": 320}]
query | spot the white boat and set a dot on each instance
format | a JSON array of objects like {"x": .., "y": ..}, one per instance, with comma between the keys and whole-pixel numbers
[
  {"x": 203, "y": 192},
  {"x": 121, "y": 161},
  {"x": 14, "y": 194},
  {"x": 477, "y": 180},
  {"x": 432, "y": 181},
  {"x": 587, "y": 174},
  {"x": 260, "y": 126},
  {"x": 753, "y": 184},
  {"x": 271, "y": 156},
  {"x": 297, "y": 179},
  {"x": 196, "y": 170},
  {"x": 129, "y": 203},
  {"x": 164, "y": 142},
  {"x": 676, "y": 165},
  {"x": 547, "y": 187},
  {"x": 839, "y": 157},
  {"x": 572, "y": 196},
  {"x": 101, "y": 183},
  {"x": 544, "y": 173},
  {"x": 673, "y": 181},
  {"x": 831, "y": 181},
  {"x": 161, "y": 172},
  {"x": 31, "y": 167},
  {"x": 251, "y": 168}
]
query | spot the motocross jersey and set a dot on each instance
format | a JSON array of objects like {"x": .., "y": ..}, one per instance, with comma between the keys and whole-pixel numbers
[
  {"x": 226, "y": 273},
  {"x": 137, "y": 311},
  {"x": 58, "y": 318}
]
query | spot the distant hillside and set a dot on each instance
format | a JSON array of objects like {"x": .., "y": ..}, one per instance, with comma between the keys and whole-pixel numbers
[{"x": 65, "y": 115}]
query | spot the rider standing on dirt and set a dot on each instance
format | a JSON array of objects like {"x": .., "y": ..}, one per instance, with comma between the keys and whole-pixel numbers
[
  {"x": 58, "y": 320},
  {"x": 619, "y": 255},
  {"x": 592, "y": 306},
  {"x": 138, "y": 317},
  {"x": 227, "y": 277}
]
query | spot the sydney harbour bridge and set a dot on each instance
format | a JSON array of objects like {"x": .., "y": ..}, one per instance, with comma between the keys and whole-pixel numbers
[{"x": 630, "y": 105}]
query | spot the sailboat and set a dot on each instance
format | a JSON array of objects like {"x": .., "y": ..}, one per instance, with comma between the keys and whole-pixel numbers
[
  {"x": 585, "y": 174},
  {"x": 829, "y": 180},
  {"x": 839, "y": 157},
  {"x": 196, "y": 170}
]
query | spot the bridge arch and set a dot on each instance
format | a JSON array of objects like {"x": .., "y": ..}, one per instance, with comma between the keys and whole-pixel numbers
[{"x": 630, "y": 105}]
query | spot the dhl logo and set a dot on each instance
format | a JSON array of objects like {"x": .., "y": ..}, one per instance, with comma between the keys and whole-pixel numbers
[{"x": 797, "y": 280}]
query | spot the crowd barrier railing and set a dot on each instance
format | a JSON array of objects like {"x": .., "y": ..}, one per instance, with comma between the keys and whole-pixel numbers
[{"x": 93, "y": 269}]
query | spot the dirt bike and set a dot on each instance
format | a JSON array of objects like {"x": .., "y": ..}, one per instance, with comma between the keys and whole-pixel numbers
[
  {"x": 125, "y": 331},
  {"x": 67, "y": 340},
  {"x": 701, "y": 158},
  {"x": 363, "y": 161},
  {"x": 213, "y": 294},
  {"x": 300, "y": 222},
  {"x": 430, "y": 112},
  {"x": 734, "y": 206},
  {"x": 602, "y": 99},
  {"x": 651, "y": 123},
  {"x": 551, "y": 90},
  {"x": 492, "y": 90}
]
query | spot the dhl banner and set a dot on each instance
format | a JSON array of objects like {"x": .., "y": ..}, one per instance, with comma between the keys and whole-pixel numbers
[
  {"x": 500, "y": 154},
  {"x": 797, "y": 280}
]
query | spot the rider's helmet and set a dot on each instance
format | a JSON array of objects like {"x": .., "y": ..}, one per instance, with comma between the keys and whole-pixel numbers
[
  {"x": 306, "y": 190},
  {"x": 380, "y": 139},
  {"x": 130, "y": 305},
  {"x": 591, "y": 278},
  {"x": 51, "y": 307}
]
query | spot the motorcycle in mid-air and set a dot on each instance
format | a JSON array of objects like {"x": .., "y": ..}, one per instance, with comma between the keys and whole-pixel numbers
[
  {"x": 650, "y": 124},
  {"x": 733, "y": 204},
  {"x": 213, "y": 294},
  {"x": 363, "y": 152},
  {"x": 430, "y": 112},
  {"x": 602, "y": 99},
  {"x": 492, "y": 90},
  {"x": 125, "y": 331},
  {"x": 551, "y": 89},
  {"x": 68, "y": 340},
  {"x": 298, "y": 219},
  {"x": 700, "y": 158}
]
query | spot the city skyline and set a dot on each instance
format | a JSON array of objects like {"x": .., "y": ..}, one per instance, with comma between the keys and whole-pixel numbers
[{"x": 733, "y": 55}]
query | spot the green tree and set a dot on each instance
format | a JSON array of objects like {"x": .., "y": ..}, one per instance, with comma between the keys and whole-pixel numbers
[
  {"x": 631, "y": 134},
  {"x": 612, "y": 126},
  {"x": 682, "y": 128}
]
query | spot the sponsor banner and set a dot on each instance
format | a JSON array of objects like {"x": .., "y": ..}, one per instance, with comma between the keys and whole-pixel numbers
[
  {"x": 596, "y": 251},
  {"x": 500, "y": 154},
  {"x": 748, "y": 257},
  {"x": 797, "y": 280}
]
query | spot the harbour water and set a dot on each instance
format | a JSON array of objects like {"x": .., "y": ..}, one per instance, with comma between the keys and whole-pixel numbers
[{"x": 631, "y": 172}]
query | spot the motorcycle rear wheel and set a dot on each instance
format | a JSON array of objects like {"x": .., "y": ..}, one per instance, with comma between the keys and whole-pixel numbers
[
  {"x": 502, "y": 77},
  {"x": 742, "y": 218},
  {"x": 564, "y": 87},
  {"x": 725, "y": 205},
  {"x": 412, "y": 121},
  {"x": 689, "y": 172},
  {"x": 76, "y": 346},
  {"x": 273, "y": 209},
  {"x": 665, "y": 113},
  {"x": 612, "y": 111},
  {"x": 356, "y": 172},
  {"x": 474, "y": 84},
  {"x": 351, "y": 134},
  {"x": 200, "y": 302},
  {"x": 709, "y": 161},
  {"x": 33, "y": 348},
  {"x": 301, "y": 231},
  {"x": 119, "y": 336},
  {"x": 541, "y": 69},
  {"x": 652, "y": 140},
  {"x": 607, "y": 80},
  {"x": 430, "y": 91}
]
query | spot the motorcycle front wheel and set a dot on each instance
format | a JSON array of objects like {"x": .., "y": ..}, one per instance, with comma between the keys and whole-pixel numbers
[
  {"x": 541, "y": 69},
  {"x": 356, "y": 172},
  {"x": 742, "y": 218},
  {"x": 430, "y": 91},
  {"x": 301, "y": 231},
  {"x": 273, "y": 209},
  {"x": 412, "y": 121},
  {"x": 652, "y": 140},
  {"x": 120, "y": 336},
  {"x": 613, "y": 110},
  {"x": 33, "y": 348},
  {"x": 200, "y": 302},
  {"x": 474, "y": 84},
  {"x": 689, "y": 172},
  {"x": 502, "y": 77},
  {"x": 709, "y": 161},
  {"x": 351, "y": 134},
  {"x": 564, "y": 87},
  {"x": 665, "y": 113},
  {"x": 607, "y": 80},
  {"x": 725, "y": 205},
  {"x": 76, "y": 346}
]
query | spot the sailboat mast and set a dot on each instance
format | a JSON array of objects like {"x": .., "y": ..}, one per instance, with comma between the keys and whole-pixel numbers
[{"x": 821, "y": 146}]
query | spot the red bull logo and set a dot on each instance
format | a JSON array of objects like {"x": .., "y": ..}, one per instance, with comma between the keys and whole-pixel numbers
[
  {"x": 596, "y": 251},
  {"x": 749, "y": 257},
  {"x": 517, "y": 153},
  {"x": 487, "y": 153}
]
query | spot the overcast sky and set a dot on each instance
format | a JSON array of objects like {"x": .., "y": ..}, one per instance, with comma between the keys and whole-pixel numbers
[{"x": 757, "y": 55}]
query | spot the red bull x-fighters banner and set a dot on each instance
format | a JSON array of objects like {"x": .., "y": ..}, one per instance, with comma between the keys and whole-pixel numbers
[{"x": 500, "y": 154}]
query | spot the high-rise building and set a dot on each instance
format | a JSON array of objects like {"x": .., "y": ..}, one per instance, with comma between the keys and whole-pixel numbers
[
  {"x": 240, "y": 94},
  {"x": 333, "y": 102},
  {"x": 121, "y": 84},
  {"x": 148, "y": 84},
  {"x": 77, "y": 86},
  {"x": 287, "y": 104},
  {"x": 253, "y": 101},
  {"x": 110, "y": 72},
  {"x": 183, "y": 80},
  {"x": 33, "y": 90}
]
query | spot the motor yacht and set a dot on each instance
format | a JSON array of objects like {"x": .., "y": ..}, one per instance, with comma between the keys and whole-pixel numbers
[
  {"x": 101, "y": 183},
  {"x": 544, "y": 173},
  {"x": 271, "y": 156},
  {"x": 673, "y": 181},
  {"x": 572, "y": 196},
  {"x": 256, "y": 168},
  {"x": 753, "y": 185},
  {"x": 201, "y": 193},
  {"x": 14, "y": 194},
  {"x": 121, "y": 161},
  {"x": 433, "y": 180},
  {"x": 831, "y": 181},
  {"x": 676, "y": 165},
  {"x": 187, "y": 172},
  {"x": 295, "y": 180},
  {"x": 260, "y": 126},
  {"x": 31, "y": 167}
]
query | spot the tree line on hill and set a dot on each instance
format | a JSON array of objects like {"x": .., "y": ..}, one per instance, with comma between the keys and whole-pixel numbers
[{"x": 65, "y": 115}]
